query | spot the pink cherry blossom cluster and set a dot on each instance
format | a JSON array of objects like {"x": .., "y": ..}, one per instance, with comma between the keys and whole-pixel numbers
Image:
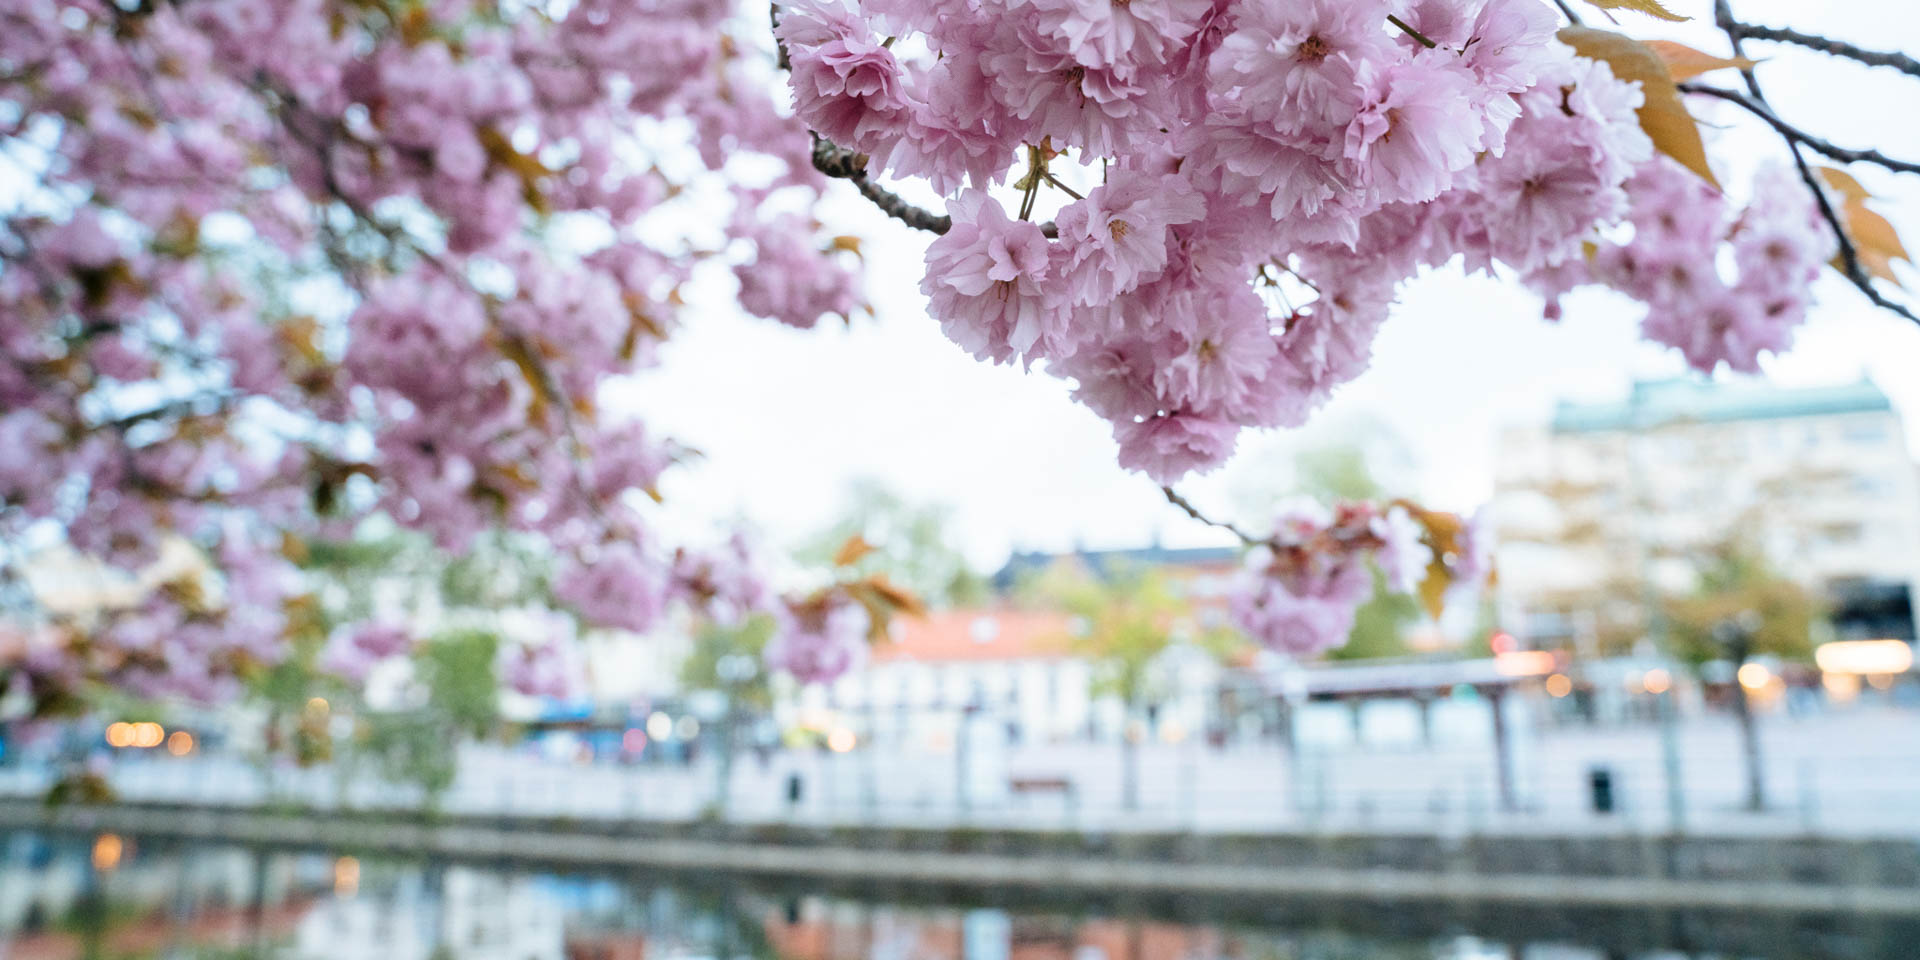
[
  {"x": 283, "y": 264},
  {"x": 1264, "y": 175},
  {"x": 819, "y": 639},
  {"x": 297, "y": 262},
  {"x": 1685, "y": 235},
  {"x": 351, "y": 652},
  {"x": 1302, "y": 586},
  {"x": 547, "y": 669},
  {"x": 1243, "y": 151}
]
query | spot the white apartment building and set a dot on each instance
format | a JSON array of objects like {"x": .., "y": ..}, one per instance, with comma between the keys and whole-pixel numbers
[
  {"x": 1607, "y": 495},
  {"x": 1013, "y": 668}
]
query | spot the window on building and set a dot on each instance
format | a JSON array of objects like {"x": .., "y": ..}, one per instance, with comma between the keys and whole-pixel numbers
[
  {"x": 1841, "y": 534},
  {"x": 1865, "y": 434}
]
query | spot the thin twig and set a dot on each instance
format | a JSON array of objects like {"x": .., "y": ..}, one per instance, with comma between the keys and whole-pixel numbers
[
  {"x": 1791, "y": 132},
  {"x": 1873, "y": 58},
  {"x": 1849, "y": 256},
  {"x": 840, "y": 163},
  {"x": 1567, "y": 8},
  {"x": 1411, "y": 32},
  {"x": 1192, "y": 511}
]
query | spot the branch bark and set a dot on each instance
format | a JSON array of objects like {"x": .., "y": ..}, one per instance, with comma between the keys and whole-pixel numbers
[
  {"x": 1849, "y": 256},
  {"x": 839, "y": 162},
  {"x": 1186, "y": 506},
  {"x": 1873, "y": 58},
  {"x": 1791, "y": 132}
]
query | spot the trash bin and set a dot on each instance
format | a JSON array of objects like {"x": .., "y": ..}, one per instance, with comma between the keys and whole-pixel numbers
[{"x": 1600, "y": 785}]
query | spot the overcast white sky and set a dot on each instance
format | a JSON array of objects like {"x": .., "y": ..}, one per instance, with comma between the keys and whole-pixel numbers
[{"x": 787, "y": 418}]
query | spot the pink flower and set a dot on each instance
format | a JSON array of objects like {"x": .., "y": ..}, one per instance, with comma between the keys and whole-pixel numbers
[
  {"x": 1170, "y": 446},
  {"x": 1296, "y": 65},
  {"x": 790, "y": 279},
  {"x": 1117, "y": 236},
  {"x": 550, "y": 669},
  {"x": 346, "y": 660},
  {"x": 846, "y": 85},
  {"x": 460, "y": 156},
  {"x": 1122, "y": 36},
  {"x": 1472, "y": 556},
  {"x": 1299, "y": 612},
  {"x": 1225, "y": 354},
  {"x": 1250, "y": 160},
  {"x": 1403, "y": 555},
  {"x": 81, "y": 242},
  {"x": 819, "y": 641},
  {"x": 1097, "y": 109},
  {"x": 381, "y": 640},
  {"x": 727, "y": 583},
  {"x": 1330, "y": 340},
  {"x": 987, "y": 281},
  {"x": 617, "y": 586},
  {"x": 1415, "y": 129}
]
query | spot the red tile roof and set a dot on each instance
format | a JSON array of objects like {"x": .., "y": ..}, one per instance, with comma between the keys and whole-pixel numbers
[{"x": 979, "y": 634}]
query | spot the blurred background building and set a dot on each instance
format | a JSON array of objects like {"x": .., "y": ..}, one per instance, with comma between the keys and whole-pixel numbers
[{"x": 1609, "y": 496}]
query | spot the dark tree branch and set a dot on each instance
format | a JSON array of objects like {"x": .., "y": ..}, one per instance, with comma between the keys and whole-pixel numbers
[
  {"x": 1567, "y": 8},
  {"x": 198, "y": 405},
  {"x": 841, "y": 163},
  {"x": 1849, "y": 256},
  {"x": 1791, "y": 132},
  {"x": 1187, "y": 507},
  {"x": 1873, "y": 58}
]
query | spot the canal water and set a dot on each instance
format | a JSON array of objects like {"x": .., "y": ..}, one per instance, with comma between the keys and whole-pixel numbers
[{"x": 118, "y": 898}]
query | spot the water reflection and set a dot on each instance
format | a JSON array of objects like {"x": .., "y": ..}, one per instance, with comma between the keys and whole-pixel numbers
[{"x": 119, "y": 898}]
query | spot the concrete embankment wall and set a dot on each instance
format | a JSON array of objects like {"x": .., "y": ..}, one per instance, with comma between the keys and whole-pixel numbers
[{"x": 1801, "y": 875}]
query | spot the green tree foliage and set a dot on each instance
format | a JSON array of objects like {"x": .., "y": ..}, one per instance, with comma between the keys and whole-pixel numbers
[
  {"x": 1734, "y": 578},
  {"x": 419, "y": 745},
  {"x": 1379, "y": 626},
  {"x": 912, "y": 545},
  {"x": 456, "y": 691},
  {"x": 1123, "y": 624},
  {"x": 714, "y": 642}
]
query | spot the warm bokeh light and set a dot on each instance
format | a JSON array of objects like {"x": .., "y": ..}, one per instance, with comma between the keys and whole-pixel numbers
[
  {"x": 1657, "y": 680},
  {"x": 1864, "y": 656},
  {"x": 346, "y": 876},
  {"x": 1842, "y": 687},
  {"x": 1525, "y": 663},
  {"x": 842, "y": 740},
  {"x": 107, "y": 849},
  {"x": 180, "y": 743},
  {"x": 1559, "y": 685},
  {"x": 148, "y": 734},
  {"x": 120, "y": 734},
  {"x": 1754, "y": 676},
  {"x": 318, "y": 706}
]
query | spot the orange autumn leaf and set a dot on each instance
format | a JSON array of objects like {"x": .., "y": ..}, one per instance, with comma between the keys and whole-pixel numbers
[
  {"x": 1663, "y": 116},
  {"x": 1685, "y": 63}
]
